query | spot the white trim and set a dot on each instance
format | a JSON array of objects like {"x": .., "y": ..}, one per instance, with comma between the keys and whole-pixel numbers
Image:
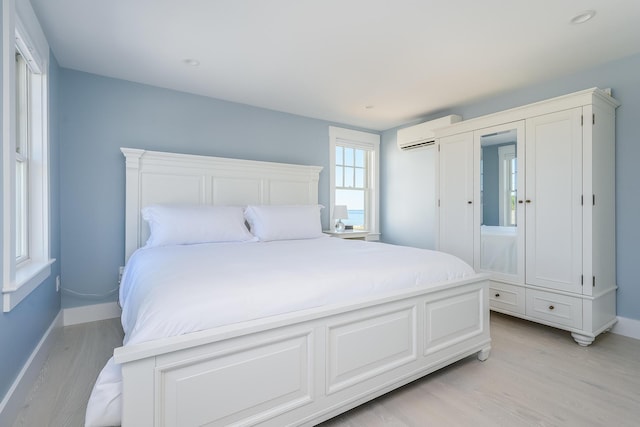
[
  {"x": 28, "y": 278},
  {"x": 560, "y": 103},
  {"x": 627, "y": 327},
  {"x": 91, "y": 313},
  {"x": 32, "y": 37},
  {"x": 8, "y": 142},
  {"x": 17, "y": 394},
  {"x": 21, "y": 26},
  {"x": 363, "y": 140}
]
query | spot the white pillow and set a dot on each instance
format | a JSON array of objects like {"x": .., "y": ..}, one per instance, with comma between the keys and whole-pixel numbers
[
  {"x": 190, "y": 224},
  {"x": 284, "y": 222}
]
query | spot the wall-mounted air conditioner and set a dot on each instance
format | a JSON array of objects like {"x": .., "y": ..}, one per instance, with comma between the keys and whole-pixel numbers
[{"x": 422, "y": 134}]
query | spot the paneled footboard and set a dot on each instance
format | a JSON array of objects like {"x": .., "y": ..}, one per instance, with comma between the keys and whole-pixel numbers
[{"x": 305, "y": 367}]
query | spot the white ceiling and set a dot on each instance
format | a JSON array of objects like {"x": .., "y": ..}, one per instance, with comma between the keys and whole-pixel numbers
[{"x": 331, "y": 59}]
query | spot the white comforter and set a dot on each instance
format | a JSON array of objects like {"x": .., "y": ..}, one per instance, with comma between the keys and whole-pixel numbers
[
  {"x": 173, "y": 290},
  {"x": 499, "y": 247}
]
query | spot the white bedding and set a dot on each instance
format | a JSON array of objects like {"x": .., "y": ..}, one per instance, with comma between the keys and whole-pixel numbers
[
  {"x": 499, "y": 247},
  {"x": 173, "y": 290}
]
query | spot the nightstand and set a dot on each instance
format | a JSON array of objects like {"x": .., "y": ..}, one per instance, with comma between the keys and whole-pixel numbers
[{"x": 348, "y": 234}]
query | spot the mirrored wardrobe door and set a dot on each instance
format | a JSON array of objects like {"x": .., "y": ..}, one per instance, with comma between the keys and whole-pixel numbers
[{"x": 501, "y": 188}]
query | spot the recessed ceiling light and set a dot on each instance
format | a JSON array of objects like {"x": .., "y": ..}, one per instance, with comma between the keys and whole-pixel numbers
[
  {"x": 191, "y": 62},
  {"x": 583, "y": 17}
]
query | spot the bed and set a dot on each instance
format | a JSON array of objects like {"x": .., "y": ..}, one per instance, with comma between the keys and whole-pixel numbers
[
  {"x": 499, "y": 249},
  {"x": 304, "y": 336}
]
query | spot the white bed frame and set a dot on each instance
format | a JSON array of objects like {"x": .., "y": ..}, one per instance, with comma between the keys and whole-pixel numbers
[{"x": 299, "y": 368}]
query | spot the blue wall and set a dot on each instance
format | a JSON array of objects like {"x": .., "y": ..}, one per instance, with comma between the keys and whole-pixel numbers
[
  {"x": 23, "y": 327},
  {"x": 99, "y": 115},
  {"x": 621, "y": 76},
  {"x": 491, "y": 182}
]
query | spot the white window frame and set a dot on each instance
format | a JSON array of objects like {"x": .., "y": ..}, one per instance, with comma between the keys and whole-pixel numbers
[
  {"x": 21, "y": 30},
  {"x": 506, "y": 153},
  {"x": 366, "y": 141},
  {"x": 22, "y": 160}
]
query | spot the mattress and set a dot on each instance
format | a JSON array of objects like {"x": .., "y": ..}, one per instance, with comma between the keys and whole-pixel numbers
[{"x": 173, "y": 290}]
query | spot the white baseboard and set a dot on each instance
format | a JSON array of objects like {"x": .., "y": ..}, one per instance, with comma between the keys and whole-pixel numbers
[
  {"x": 16, "y": 396},
  {"x": 91, "y": 313},
  {"x": 627, "y": 327}
]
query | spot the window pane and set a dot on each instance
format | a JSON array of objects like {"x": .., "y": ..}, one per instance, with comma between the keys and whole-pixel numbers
[
  {"x": 339, "y": 155},
  {"x": 349, "y": 156},
  {"x": 339, "y": 176},
  {"x": 22, "y": 104},
  {"x": 22, "y": 251},
  {"x": 22, "y": 158},
  {"x": 359, "y": 178},
  {"x": 355, "y": 202},
  {"x": 348, "y": 177},
  {"x": 360, "y": 158}
]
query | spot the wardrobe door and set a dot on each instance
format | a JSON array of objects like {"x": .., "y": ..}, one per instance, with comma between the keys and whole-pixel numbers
[
  {"x": 553, "y": 201},
  {"x": 456, "y": 198},
  {"x": 500, "y": 249}
]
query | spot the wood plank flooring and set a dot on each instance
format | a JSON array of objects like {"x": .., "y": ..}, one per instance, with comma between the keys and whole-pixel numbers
[
  {"x": 535, "y": 376},
  {"x": 59, "y": 397}
]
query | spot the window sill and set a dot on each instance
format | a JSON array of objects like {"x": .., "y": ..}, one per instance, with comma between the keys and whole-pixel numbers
[{"x": 28, "y": 277}]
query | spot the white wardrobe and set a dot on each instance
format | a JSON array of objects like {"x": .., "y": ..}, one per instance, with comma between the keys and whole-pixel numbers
[{"x": 528, "y": 196}]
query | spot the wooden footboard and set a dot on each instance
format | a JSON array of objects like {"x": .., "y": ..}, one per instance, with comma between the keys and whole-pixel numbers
[{"x": 305, "y": 367}]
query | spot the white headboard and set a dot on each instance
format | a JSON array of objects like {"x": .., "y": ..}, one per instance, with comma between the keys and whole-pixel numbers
[{"x": 157, "y": 177}]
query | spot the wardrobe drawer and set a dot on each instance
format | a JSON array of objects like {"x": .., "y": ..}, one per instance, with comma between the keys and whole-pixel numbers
[
  {"x": 560, "y": 309},
  {"x": 506, "y": 297}
]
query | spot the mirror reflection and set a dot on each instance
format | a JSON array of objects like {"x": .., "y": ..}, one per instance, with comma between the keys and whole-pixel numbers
[{"x": 498, "y": 191}]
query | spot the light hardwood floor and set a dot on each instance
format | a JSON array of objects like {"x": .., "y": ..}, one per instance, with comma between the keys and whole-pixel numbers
[
  {"x": 59, "y": 397},
  {"x": 535, "y": 376}
]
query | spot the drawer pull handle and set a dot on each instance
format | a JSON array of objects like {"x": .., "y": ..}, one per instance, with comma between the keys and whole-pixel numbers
[
  {"x": 497, "y": 295},
  {"x": 551, "y": 307}
]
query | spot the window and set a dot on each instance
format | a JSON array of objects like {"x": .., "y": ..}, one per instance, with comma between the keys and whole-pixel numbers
[
  {"x": 352, "y": 184},
  {"x": 23, "y": 79},
  {"x": 354, "y": 177},
  {"x": 25, "y": 159},
  {"x": 507, "y": 182},
  {"x": 481, "y": 186}
]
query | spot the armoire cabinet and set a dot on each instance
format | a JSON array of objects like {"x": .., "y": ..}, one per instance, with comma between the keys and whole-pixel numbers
[{"x": 528, "y": 196}]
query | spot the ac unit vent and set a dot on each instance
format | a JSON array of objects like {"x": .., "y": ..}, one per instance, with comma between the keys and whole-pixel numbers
[
  {"x": 422, "y": 135},
  {"x": 418, "y": 145}
]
